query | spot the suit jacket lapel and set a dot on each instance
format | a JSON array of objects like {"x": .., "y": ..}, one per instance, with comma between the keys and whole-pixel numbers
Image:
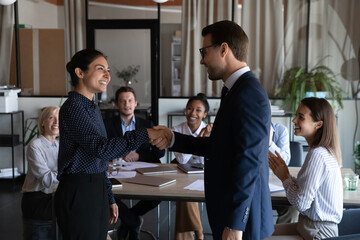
[{"x": 117, "y": 124}]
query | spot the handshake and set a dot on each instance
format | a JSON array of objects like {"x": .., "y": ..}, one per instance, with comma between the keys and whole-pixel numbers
[{"x": 160, "y": 136}]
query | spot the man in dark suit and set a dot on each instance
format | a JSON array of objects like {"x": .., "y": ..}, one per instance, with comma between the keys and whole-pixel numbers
[
  {"x": 125, "y": 100},
  {"x": 236, "y": 166}
]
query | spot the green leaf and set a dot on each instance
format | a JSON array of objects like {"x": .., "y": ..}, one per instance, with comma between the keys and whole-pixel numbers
[{"x": 296, "y": 82}]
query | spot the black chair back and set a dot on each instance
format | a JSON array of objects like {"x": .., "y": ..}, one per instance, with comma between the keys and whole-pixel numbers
[
  {"x": 350, "y": 223},
  {"x": 296, "y": 151}
]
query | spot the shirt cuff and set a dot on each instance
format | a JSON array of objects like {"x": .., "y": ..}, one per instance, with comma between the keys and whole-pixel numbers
[
  {"x": 287, "y": 182},
  {"x": 172, "y": 139}
]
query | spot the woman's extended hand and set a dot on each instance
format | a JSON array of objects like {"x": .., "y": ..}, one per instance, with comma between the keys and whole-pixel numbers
[
  {"x": 114, "y": 213},
  {"x": 278, "y": 166}
]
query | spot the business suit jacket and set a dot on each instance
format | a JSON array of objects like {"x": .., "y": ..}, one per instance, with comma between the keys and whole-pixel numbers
[
  {"x": 147, "y": 152},
  {"x": 236, "y": 166}
]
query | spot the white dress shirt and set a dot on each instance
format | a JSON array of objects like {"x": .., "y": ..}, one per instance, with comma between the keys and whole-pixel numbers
[
  {"x": 42, "y": 158},
  {"x": 188, "y": 158},
  {"x": 317, "y": 192}
]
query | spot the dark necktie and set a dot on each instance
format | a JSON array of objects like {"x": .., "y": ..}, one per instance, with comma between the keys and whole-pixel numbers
[{"x": 224, "y": 91}]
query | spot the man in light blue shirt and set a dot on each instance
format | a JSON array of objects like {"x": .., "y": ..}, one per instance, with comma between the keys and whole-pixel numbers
[{"x": 279, "y": 142}]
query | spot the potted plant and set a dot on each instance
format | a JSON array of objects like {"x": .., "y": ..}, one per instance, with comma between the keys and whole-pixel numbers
[
  {"x": 356, "y": 156},
  {"x": 299, "y": 83},
  {"x": 128, "y": 73}
]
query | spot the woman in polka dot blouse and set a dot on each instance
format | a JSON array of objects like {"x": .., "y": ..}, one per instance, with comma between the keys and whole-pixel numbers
[{"x": 84, "y": 193}]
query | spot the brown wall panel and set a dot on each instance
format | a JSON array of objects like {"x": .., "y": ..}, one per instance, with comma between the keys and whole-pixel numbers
[
  {"x": 26, "y": 60},
  {"x": 51, "y": 65},
  {"x": 52, "y": 62}
]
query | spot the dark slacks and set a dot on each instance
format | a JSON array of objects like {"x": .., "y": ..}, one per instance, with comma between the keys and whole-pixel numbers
[
  {"x": 37, "y": 213},
  {"x": 130, "y": 215},
  {"x": 82, "y": 206}
]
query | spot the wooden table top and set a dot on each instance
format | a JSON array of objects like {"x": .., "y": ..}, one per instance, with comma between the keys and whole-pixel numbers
[{"x": 176, "y": 192}]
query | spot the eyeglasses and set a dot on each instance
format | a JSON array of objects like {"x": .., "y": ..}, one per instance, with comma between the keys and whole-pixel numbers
[{"x": 202, "y": 50}]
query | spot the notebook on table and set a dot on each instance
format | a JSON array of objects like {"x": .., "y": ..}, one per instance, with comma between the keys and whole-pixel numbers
[
  {"x": 115, "y": 183},
  {"x": 150, "y": 180},
  {"x": 191, "y": 167},
  {"x": 156, "y": 170}
]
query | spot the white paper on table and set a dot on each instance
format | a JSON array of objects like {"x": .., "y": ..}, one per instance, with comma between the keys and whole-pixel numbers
[
  {"x": 275, "y": 188},
  {"x": 198, "y": 185},
  {"x": 122, "y": 174}
]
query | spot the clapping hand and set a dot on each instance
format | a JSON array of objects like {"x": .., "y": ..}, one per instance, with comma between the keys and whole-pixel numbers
[
  {"x": 205, "y": 132},
  {"x": 160, "y": 136},
  {"x": 278, "y": 166}
]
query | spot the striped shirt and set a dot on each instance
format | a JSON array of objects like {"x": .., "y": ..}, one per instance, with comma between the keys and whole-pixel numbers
[{"x": 317, "y": 192}]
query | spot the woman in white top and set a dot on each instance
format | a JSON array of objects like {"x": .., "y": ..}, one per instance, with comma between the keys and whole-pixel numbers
[
  {"x": 41, "y": 181},
  {"x": 317, "y": 190},
  {"x": 188, "y": 220}
]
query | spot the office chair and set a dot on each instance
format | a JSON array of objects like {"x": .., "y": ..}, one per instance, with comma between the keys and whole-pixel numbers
[
  {"x": 296, "y": 151},
  {"x": 349, "y": 225}
]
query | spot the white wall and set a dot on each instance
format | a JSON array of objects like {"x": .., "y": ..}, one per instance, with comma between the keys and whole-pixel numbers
[
  {"x": 40, "y": 14},
  {"x": 123, "y": 48},
  {"x": 169, "y": 14}
]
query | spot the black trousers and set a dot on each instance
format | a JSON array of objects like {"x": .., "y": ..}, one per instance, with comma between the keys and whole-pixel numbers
[
  {"x": 37, "y": 205},
  {"x": 130, "y": 215},
  {"x": 37, "y": 213},
  {"x": 82, "y": 206}
]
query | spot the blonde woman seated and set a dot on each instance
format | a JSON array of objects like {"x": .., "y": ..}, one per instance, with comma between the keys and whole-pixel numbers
[
  {"x": 187, "y": 221},
  {"x": 317, "y": 190},
  {"x": 41, "y": 181}
]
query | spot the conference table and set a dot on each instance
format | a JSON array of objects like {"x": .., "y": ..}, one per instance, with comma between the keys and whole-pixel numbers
[{"x": 176, "y": 192}]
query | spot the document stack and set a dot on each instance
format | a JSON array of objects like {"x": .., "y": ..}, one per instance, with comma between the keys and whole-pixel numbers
[
  {"x": 275, "y": 110},
  {"x": 7, "y": 173},
  {"x": 9, "y": 99}
]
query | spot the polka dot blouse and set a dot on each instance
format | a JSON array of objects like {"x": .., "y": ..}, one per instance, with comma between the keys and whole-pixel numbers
[{"x": 84, "y": 146}]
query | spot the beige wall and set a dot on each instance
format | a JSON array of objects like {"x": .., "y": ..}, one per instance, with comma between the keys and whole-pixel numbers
[{"x": 40, "y": 14}]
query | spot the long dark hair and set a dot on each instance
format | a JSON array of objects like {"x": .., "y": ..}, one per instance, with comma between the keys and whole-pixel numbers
[{"x": 327, "y": 135}]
